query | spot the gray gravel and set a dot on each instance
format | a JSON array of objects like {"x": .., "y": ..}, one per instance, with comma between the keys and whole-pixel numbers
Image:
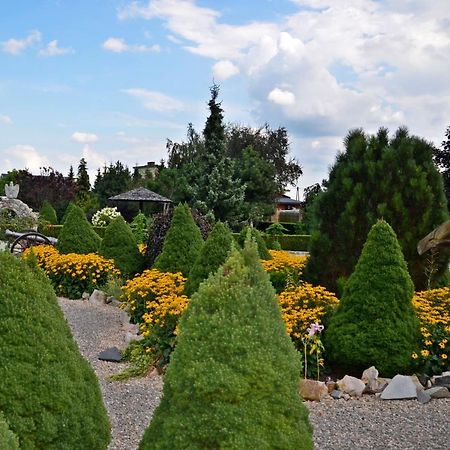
[{"x": 356, "y": 424}]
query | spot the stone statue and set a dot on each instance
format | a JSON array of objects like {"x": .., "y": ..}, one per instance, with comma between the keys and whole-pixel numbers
[{"x": 11, "y": 190}]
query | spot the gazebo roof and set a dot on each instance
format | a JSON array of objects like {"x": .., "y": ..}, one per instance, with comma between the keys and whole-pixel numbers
[{"x": 141, "y": 195}]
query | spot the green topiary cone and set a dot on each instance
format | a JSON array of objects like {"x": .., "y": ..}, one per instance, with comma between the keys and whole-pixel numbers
[
  {"x": 261, "y": 243},
  {"x": 48, "y": 213},
  {"x": 375, "y": 323},
  {"x": 8, "y": 440},
  {"x": 77, "y": 234},
  {"x": 182, "y": 243},
  {"x": 48, "y": 392},
  {"x": 233, "y": 378}
]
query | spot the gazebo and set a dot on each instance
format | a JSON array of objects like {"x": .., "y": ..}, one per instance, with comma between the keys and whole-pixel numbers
[{"x": 142, "y": 195}]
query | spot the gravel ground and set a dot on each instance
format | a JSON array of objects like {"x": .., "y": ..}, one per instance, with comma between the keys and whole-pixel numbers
[{"x": 356, "y": 424}]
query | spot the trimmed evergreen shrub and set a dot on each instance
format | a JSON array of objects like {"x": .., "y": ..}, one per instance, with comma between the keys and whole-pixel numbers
[
  {"x": 182, "y": 244},
  {"x": 212, "y": 255},
  {"x": 260, "y": 242},
  {"x": 375, "y": 323},
  {"x": 48, "y": 213},
  {"x": 69, "y": 208},
  {"x": 139, "y": 227},
  {"x": 233, "y": 378},
  {"x": 120, "y": 245},
  {"x": 77, "y": 234},
  {"x": 49, "y": 393},
  {"x": 8, "y": 440}
]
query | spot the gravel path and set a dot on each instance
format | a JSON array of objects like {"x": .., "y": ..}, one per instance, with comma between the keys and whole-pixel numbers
[{"x": 357, "y": 424}]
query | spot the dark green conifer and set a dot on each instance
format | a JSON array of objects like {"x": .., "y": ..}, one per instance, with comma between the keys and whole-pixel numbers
[
  {"x": 120, "y": 245},
  {"x": 233, "y": 378},
  {"x": 48, "y": 213},
  {"x": 182, "y": 243},
  {"x": 212, "y": 255},
  {"x": 257, "y": 236},
  {"x": 67, "y": 211},
  {"x": 8, "y": 440},
  {"x": 375, "y": 323},
  {"x": 49, "y": 393},
  {"x": 77, "y": 234}
]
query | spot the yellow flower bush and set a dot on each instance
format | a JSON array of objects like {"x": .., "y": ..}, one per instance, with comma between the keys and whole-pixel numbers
[
  {"x": 72, "y": 274},
  {"x": 433, "y": 310}
]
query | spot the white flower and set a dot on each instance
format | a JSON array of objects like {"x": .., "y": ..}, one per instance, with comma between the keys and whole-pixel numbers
[{"x": 104, "y": 216}]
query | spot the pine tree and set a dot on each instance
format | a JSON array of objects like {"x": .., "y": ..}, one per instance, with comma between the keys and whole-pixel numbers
[
  {"x": 71, "y": 176},
  {"x": 376, "y": 177},
  {"x": 442, "y": 159},
  {"x": 233, "y": 378},
  {"x": 182, "y": 243},
  {"x": 212, "y": 255},
  {"x": 120, "y": 245},
  {"x": 48, "y": 213},
  {"x": 375, "y": 323},
  {"x": 83, "y": 183},
  {"x": 49, "y": 393},
  {"x": 77, "y": 234}
]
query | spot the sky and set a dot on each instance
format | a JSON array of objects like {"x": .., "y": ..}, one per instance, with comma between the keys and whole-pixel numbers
[{"x": 110, "y": 80}]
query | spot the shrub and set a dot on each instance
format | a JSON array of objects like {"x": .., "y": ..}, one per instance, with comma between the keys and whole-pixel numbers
[
  {"x": 233, "y": 378},
  {"x": 120, "y": 245},
  {"x": 9, "y": 221},
  {"x": 212, "y": 255},
  {"x": 257, "y": 236},
  {"x": 48, "y": 213},
  {"x": 8, "y": 440},
  {"x": 139, "y": 226},
  {"x": 433, "y": 309},
  {"x": 72, "y": 274},
  {"x": 182, "y": 244},
  {"x": 276, "y": 229},
  {"x": 69, "y": 208},
  {"x": 77, "y": 235},
  {"x": 49, "y": 393},
  {"x": 375, "y": 322},
  {"x": 105, "y": 216}
]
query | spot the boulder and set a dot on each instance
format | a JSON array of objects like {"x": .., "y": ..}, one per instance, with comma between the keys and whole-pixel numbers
[
  {"x": 110, "y": 354},
  {"x": 416, "y": 381},
  {"x": 337, "y": 394},
  {"x": 313, "y": 390},
  {"x": 401, "y": 387},
  {"x": 351, "y": 385},
  {"x": 438, "y": 392},
  {"x": 369, "y": 375},
  {"x": 443, "y": 380},
  {"x": 423, "y": 397},
  {"x": 97, "y": 298}
]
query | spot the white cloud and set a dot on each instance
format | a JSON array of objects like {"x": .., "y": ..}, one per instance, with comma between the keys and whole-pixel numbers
[
  {"x": 155, "y": 101},
  {"x": 25, "y": 156},
  {"x": 84, "y": 138},
  {"x": 118, "y": 45},
  {"x": 5, "y": 119},
  {"x": 224, "y": 69},
  {"x": 281, "y": 97},
  {"x": 17, "y": 46},
  {"x": 52, "y": 49}
]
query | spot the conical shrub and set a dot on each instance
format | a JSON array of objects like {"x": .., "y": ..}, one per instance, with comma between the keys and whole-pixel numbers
[
  {"x": 257, "y": 236},
  {"x": 48, "y": 213},
  {"x": 212, "y": 255},
  {"x": 69, "y": 208},
  {"x": 375, "y": 323},
  {"x": 233, "y": 378},
  {"x": 8, "y": 440},
  {"x": 182, "y": 244},
  {"x": 120, "y": 245},
  {"x": 77, "y": 234},
  {"x": 48, "y": 392}
]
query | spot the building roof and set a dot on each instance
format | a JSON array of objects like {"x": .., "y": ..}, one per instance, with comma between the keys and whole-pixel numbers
[
  {"x": 141, "y": 194},
  {"x": 285, "y": 200}
]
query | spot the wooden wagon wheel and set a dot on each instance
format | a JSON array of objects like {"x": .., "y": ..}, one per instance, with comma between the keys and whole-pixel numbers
[{"x": 27, "y": 240}]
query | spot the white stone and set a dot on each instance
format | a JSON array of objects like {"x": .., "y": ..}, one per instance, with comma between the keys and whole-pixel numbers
[
  {"x": 369, "y": 375},
  {"x": 97, "y": 298},
  {"x": 401, "y": 387},
  {"x": 351, "y": 385}
]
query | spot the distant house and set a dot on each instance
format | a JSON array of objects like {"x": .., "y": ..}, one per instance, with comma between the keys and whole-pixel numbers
[
  {"x": 287, "y": 209},
  {"x": 149, "y": 170}
]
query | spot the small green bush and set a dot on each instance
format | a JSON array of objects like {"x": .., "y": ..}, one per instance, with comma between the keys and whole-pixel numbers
[
  {"x": 182, "y": 244},
  {"x": 69, "y": 208},
  {"x": 120, "y": 245},
  {"x": 260, "y": 242},
  {"x": 212, "y": 255},
  {"x": 139, "y": 227},
  {"x": 8, "y": 440},
  {"x": 77, "y": 235},
  {"x": 232, "y": 382},
  {"x": 49, "y": 393},
  {"x": 375, "y": 323},
  {"x": 48, "y": 213}
]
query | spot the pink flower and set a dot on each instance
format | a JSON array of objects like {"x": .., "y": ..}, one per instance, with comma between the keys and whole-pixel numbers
[{"x": 314, "y": 328}]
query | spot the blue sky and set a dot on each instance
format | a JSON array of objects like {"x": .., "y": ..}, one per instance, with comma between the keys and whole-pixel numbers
[{"x": 112, "y": 79}]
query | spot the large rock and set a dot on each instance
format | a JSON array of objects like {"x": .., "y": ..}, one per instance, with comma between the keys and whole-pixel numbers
[
  {"x": 369, "y": 375},
  {"x": 313, "y": 390},
  {"x": 416, "y": 381},
  {"x": 401, "y": 387},
  {"x": 351, "y": 385},
  {"x": 438, "y": 392},
  {"x": 423, "y": 397},
  {"x": 97, "y": 298},
  {"x": 110, "y": 354},
  {"x": 443, "y": 380}
]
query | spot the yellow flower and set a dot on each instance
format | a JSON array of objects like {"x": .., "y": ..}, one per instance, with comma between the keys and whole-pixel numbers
[
  {"x": 414, "y": 355},
  {"x": 425, "y": 353},
  {"x": 428, "y": 343},
  {"x": 444, "y": 356},
  {"x": 442, "y": 344}
]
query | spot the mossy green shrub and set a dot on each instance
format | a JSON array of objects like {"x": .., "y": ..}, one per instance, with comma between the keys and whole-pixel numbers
[
  {"x": 120, "y": 245},
  {"x": 77, "y": 235},
  {"x": 182, "y": 244},
  {"x": 8, "y": 440},
  {"x": 49, "y": 393},
  {"x": 375, "y": 323},
  {"x": 212, "y": 255},
  {"x": 233, "y": 378},
  {"x": 258, "y": 237},
  {"x": 55, "y": 230},
  {"x": 48, "y": 213}
]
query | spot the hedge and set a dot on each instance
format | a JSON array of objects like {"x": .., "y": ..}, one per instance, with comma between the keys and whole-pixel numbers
[
  {"x": 54, "y": 230},
  {"x": 295, "y": 242}
]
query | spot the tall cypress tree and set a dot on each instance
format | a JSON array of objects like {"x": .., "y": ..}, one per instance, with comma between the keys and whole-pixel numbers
[
  {"x": 376, "y": 177},
  {"x": 83, "y": 183}
]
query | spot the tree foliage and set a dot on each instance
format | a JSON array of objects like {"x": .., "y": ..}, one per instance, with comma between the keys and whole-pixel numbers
[
  {"x": 233, "y": 377},
  {"x": 48, "y": 213},
  {"x": 113, "y": 180},
  {"x": 8, "y": 440},
  {"x": 258, "y": 238},
  {"x": 376, "y": 177},
  {"x": 442, "y": 159},
  {"x": 375, "y": 323}
]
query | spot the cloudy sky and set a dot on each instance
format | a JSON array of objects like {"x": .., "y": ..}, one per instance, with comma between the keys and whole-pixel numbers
[{"x": 112, "y": 79}]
